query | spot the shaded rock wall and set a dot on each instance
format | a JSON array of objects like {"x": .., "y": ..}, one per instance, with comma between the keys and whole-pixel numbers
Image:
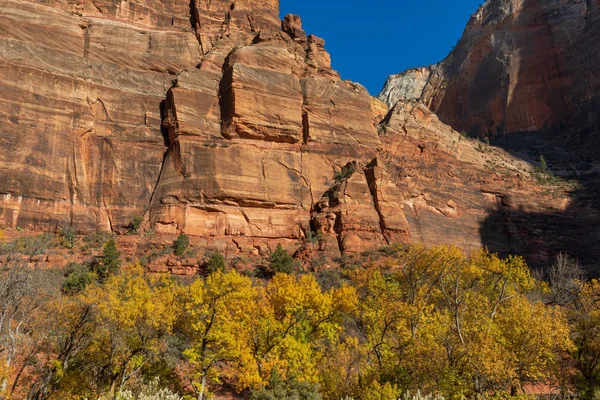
[{"x": 521, "y": 65}]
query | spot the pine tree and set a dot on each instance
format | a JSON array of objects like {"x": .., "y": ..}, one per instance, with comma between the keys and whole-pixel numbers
[
  {"x": 543, "y": 165},
  {"x": 281, "y": 261},
  {"x": 111, "y": 261},
  {"x": 216, "y": 262}
]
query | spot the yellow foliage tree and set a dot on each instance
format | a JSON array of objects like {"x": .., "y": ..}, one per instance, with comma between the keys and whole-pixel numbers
[
  {"x": 216, "y": 319},
  {"x": 291, "y": 319},
  {"x": 439, "y": 321},
  {"x": 586, "y": 337},
  {"x": 134, "y": 315}
]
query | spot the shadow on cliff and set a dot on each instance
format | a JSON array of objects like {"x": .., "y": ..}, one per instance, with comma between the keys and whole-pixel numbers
[{"x": 574, "y": 229}]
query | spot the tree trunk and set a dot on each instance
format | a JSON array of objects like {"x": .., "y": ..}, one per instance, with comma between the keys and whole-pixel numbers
[{"x": 202, "y": 388}]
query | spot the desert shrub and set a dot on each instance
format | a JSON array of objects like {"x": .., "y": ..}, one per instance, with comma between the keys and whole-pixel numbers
[
  {"x": 155, "y": 255},
  {"x": 144, "y": 261},
  {"x": 216, "y": 262},
  {"x": 78, "y": 277},
  {"x": 2, "y": 236},
  {"x": 419, "y": 396},
  {"x": 312, "y": 237},
  {"x": 563, "y": 278},
  {"x": 96, "y": 240},
  {"x": 181, "y": 244},
  {"x": 331, "y": 278},
  {"x": 289, "y": 389},
  {"x": 30, "y": 245},
  {"x": 149, "y": 391},
  {"x": 67, "y": 236},
  {"x": 543, "y": 175},
  {"x": 317, "y": 262},
  {"x": 135, "y": 224},
  {"x": 347, "y": 171}
]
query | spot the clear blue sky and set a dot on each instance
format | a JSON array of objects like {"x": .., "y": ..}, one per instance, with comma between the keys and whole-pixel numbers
[{"x": 371, "y": 39}]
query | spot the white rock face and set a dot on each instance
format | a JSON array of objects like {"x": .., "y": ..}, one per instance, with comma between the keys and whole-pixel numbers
[{"x": 407, "y": 85}]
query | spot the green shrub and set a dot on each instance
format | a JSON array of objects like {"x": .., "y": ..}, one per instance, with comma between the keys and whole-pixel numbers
[
  {"x": 135, "y": 224},
  {"x": 77, "y": 279},
  {"x": 346, "y": 172},
  {"x": 67, "y": 237},
  {"x": 312, "y": 238},
  {"x": 96, "y": 240},
  {"x": 289, "y": 389},
  {"x": 543, "y": 175},
  {"x": 30, "y": 245},
  {"x": 181, "y": 245},
  {"x": 280, "y": 261},
  {"x": 216, "y": 262}
]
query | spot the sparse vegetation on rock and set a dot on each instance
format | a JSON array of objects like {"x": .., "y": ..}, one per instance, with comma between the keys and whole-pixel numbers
[{"x": 181, "y": 245}]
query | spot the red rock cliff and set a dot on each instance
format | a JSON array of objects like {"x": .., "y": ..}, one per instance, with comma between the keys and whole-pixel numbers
[{"x": 216, "y": 119}]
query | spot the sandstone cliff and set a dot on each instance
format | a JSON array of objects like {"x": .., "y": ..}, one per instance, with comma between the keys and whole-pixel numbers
[
  {"x": 521, "y": 65},
  {"x": 218, "y": 120}
]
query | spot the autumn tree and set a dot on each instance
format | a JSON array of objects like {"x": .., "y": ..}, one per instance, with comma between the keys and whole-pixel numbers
[
  {"x": 22, "y": 294},
  {"x": 291, "y": 321},
  {"x": 132, "y": 315},
  {"x": 67, "y": 326},
  {"x": 216, "y": 318},
  {"x": 585, "y": 315}
]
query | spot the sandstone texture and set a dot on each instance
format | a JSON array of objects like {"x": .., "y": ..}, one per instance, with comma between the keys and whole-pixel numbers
[
  {"x": 215, "y": 119},
  {"x": 218, "y": 120},
  {"x": 525, "y": 74},
  {"x": 407, "y": 85}
]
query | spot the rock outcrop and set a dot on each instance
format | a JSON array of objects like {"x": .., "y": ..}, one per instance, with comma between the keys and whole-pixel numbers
[
  {"x": 526, "y": 74},
  {"x": 407, "y": 85}
]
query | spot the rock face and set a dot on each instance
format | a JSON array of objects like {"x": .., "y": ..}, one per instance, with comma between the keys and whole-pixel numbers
[
  {"x": 528, "y": 74},
  {"x": 521, "y": 65},
  {"x": 407, "y": 85},
  {"x": 218, "y": 120},
  {"x": 211, "y": 118}
]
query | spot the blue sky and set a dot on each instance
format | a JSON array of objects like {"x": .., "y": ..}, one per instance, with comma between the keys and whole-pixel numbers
[{"x": 369, "y": 40}]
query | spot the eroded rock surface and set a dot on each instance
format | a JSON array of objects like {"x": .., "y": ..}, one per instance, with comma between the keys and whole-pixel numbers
[{"x": 407, "y": 85}]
